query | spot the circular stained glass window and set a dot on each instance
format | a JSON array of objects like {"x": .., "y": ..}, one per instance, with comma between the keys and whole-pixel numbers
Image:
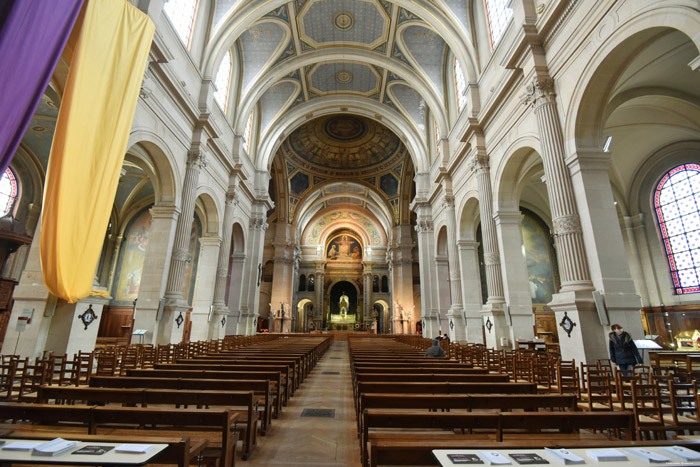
[{"x": 8, "y": 191}]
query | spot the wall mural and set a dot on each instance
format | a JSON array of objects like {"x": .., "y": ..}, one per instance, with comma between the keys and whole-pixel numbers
[
  {"x": 344, "y": 248},
  {"x": 191, "y": 266},
  {"x": 132, "y": 255},
  {"x": 539, "y": 256}
]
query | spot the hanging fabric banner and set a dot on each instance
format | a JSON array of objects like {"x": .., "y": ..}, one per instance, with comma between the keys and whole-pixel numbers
[
  {"x": 32, "y": 36},
  {"x": 109, "y": 54}
]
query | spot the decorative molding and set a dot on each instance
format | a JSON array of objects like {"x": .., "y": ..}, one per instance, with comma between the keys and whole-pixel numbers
[
  {"x": 488, "y": 324},
  {"x": 196, "y": 159},
  {"x": 566, "y": 225},
  {"x": 424, "y": 226}
]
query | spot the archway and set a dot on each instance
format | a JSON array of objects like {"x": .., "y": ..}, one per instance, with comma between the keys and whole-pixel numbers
[
  {"x": 304, "y": 314},
  {"x": 342, "y": 306},
  {"x": 381, "y": 308}
]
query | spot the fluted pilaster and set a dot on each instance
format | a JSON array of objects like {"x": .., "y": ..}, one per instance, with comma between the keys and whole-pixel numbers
[
  {"x": 492, "y": 260},
  {"x": 224, "y": 251},
  {"x": 178, "y": 261},
  {"x": 568, "y": 235}
]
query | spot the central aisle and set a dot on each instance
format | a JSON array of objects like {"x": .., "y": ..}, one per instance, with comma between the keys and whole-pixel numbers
[{"x": 293, "y": 440}]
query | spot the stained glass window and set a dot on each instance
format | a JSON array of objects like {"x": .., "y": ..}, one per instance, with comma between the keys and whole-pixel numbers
[
  {"x": 498, "y": 15},
  {"x": 246, "y": 135},
  {"x": 677, "y": 204},
  {"x": 460, "y": 86},
  {"x": 8, "y": 192},
  {"x": 223, "y": 82},
  {"x": 182, "y": 13}
]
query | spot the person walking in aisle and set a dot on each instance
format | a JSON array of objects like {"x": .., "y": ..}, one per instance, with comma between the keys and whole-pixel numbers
[{"x": 623, "y": 351}]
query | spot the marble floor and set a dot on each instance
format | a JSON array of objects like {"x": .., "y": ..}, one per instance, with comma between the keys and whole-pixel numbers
[{"x": 293, "y": 440}]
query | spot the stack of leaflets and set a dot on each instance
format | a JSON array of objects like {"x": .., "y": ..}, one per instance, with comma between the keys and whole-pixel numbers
[
  {"x": 22, "y": 445},
  {"x": 528, "y": 458},
  {"x": 463, "y": 459},
  {"x": 606, "y": 455},
  {"x": 682, "y": 452},
  {"x": 647, "y": 455},
  {"x": 93, "y": 450},
  {"x": 565, "y": 456},
  {"x": 494, "y": 458},
  {"x": 134, "y": 448},
  {"x": 53, "y": 447}
]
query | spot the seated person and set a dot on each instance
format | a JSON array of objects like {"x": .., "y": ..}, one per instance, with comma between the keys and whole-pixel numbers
[{"x": 435, "y": 350}]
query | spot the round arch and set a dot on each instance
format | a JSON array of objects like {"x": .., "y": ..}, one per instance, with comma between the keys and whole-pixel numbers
[{"x": 159, "y": 158}]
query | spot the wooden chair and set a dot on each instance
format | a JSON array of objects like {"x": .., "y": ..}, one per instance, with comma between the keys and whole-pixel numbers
[
  {"x": 567, "y": 378},
  {"x": 32, "y": 377},
  {"x": 646, "y": 407},
  {"x": 8, "y": 373},
  {"x": 683, "y": 414},
  {"x": 598, "y": 395}
]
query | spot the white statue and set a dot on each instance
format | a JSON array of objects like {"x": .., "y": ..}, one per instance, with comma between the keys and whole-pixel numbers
[{"x": 344, "y": 303}]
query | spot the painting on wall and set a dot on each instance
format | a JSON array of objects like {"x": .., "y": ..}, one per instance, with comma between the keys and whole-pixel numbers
[
  {"x": 344, "y": 248},
  {"x": 133, "y": 255},
  {"x": 193, "y": 257},
  {"x": 539, "y": 256}
]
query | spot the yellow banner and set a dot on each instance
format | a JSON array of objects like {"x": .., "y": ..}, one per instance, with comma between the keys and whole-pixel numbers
[{"x": 109, "y": 54}]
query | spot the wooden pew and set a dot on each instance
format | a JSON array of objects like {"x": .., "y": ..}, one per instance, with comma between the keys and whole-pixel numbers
[
  {"x": 241, "y": 402},
  {"x": 259, "y": 387},
  {"x": 218, "y": 427},
  {"x": 181, "y": 451},
  {"x": 501, "y": 425}
]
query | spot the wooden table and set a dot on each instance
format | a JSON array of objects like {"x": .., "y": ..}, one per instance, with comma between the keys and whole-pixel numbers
[{"x": 110, "y": 458}]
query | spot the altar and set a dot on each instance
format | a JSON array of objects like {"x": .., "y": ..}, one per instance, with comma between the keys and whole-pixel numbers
[{"x": 344, "y": 320}]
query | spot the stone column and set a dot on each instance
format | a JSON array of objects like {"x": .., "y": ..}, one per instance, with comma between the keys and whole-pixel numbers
[
  {"x": 204, "y": 325},
  {"x": 573, "y": 265},
  {"x": 574, "y": 298},
  {"x": 367, "y": 290},
  {"x": 607, "y": 255},
  {"x": 455, "y": 316},
  {"x": 282, "y": 278},
  {"x": 469, "y": 262},
  {"x": 220, "y": 308},
  {"x": 155, "y": 265},
  {"x": 428, "y": 283},
  {"x": 238, "y": 262},
  {"x": 115, "y": 259},
  {"x": 519, "y": 315},
  {"x": 250, "y": 292},
  {"x": 168, "y": 329},
  {"x": 402, "y": 274},
  {"x": 493, "y": 312},
  {"x": 319, "y": 309}
]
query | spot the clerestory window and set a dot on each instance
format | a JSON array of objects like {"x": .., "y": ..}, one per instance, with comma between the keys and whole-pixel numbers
[
  {"x": 498, "y": 15},
  {"x": 223, "y": 82},
  {"x": 181, "y": 14},
  {"x": 677, "y": 204}
]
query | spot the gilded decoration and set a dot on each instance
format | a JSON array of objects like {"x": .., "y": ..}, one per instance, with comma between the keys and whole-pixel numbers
[
  {"x": 318, "y": 226},
  {"x": 345, "y": 142},
  {"x": 344, "y": 248}
]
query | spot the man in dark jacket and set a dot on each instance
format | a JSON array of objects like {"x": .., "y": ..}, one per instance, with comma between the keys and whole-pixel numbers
[
  {"x": 435, "y": 350},
  {"x": 623, "y": 351}
]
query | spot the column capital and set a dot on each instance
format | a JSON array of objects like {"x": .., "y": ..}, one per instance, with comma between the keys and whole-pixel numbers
[
  {"x": 258, "y": 224},
  {"x": 232, "y": 198},
  {"x": 424, "y": 226},
  {"x": 448, "y": 202},
  {"x": 492, "y": 258},
  {"x": 196, "y": 158},
  {"x": 480, "y": 162},
  {"x": 540, "y": 91}
]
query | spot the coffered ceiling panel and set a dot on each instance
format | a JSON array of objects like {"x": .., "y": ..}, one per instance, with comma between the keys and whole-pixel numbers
[
  {"x": 362, "y": 23},
  {"x": 344, "y": 77}
]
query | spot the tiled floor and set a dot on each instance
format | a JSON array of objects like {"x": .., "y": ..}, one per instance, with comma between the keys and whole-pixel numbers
[{"x": 311, "y": 441}]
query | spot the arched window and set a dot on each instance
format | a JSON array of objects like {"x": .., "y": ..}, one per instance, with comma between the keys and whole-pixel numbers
[
  {"x": 182, "y": 13},
  {"x": 311, "y": 283},
  {"x": 8, "y": 191},
  {"x": 460, "y": 86},
  {"x": 375, "y": 284},
  {"x": 223, "y": 82},
  {"x": 498, "y": 15},
  {"x": 247, "y": 133},
  {"x": 677, "y": 201},
  {"x": 302, "y": 283},
  {"x": 385, "y": 284}
]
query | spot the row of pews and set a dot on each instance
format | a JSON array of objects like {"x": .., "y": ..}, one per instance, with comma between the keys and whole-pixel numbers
[
  {"x": 201, "y": 403},
  {"x": 407, "y": 405}
]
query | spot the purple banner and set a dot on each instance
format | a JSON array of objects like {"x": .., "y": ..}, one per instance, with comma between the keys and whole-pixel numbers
[{"x": 32, "y": 36}]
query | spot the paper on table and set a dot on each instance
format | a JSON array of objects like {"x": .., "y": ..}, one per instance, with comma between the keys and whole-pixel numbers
[
  {"x": 493, "y": 457},
  {"x": 565, "y": 456},
  {"x": 605, "y": 455},
  {"x": 682, "y": 452},
  {"x": 134, "y": 448},
  {"x": 54, "y": 447},
  {"x": 647, "y": 455},
  {"x": 22, "y": 445}
]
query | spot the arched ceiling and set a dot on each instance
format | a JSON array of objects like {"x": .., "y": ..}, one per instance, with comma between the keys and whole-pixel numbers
[{"x": 294, "y": 53}]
